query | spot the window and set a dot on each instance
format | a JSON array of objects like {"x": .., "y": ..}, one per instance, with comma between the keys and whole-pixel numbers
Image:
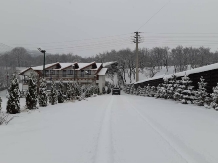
[
  {"x": 89, "y": 72},
  {"x": 64, "y": 73},
  {"x": 52, "y": 72},
  {"x": 69, "y": 72}
]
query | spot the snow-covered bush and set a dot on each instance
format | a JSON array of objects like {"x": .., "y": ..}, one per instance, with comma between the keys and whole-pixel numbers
[
  {"x": 43, "y": 96},
  {"x": 31, "y": 95},
  {"x": 201, "y": 94},
  {"x": 13, "y": 103}
]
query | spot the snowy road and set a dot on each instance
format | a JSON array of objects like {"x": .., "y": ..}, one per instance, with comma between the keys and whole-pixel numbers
[{"x": 112, "y": 129}]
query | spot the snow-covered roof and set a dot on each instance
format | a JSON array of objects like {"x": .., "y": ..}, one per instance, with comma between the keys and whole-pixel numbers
[
  {"x": 156, "y": 77},
  {"x": 108, "y": 63},
  {"x": 64, "y": 65},
  {"x": 41, "y": 67},
  {"x": 98, "y": 66},
  {"x": 102, "y": 71},
  {"x": 183, "y": 73},
  {"x": 195, "y": 70}
]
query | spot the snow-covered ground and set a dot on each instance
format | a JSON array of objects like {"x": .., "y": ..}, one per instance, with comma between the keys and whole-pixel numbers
[{"x": 112, "y": 129}]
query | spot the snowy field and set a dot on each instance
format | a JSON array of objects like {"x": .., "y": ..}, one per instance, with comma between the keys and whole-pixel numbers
[{"x": 112, "y": 129}]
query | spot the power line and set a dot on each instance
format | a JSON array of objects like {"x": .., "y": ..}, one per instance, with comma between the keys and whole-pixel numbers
[
  {"x": 92, "y": 45},
  {"x": 92, "y": 48},
  {"x": 89, "y": 43},
  {"x": 154, "y": 14},
  {"x": 79, "y": 40}
]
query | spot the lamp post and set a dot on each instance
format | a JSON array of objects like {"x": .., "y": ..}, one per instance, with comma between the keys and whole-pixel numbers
[
  {"x": 74, "y": 72},
  {"x": 43, "y": 51}
]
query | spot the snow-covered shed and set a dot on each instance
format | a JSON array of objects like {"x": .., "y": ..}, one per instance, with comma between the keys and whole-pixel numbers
[{"x": 209, "y": 73}]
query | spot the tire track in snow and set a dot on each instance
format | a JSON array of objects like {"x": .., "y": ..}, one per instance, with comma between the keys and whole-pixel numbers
[
  {"x": 104, "y": 150},
  {"x": 188, "y": 154}
]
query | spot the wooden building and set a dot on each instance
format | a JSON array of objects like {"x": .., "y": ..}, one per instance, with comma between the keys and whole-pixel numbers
[{"x": 209, "y": 73}]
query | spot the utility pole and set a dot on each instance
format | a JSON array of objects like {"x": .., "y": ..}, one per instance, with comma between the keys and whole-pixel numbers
[{"x": 137, "y": 41}]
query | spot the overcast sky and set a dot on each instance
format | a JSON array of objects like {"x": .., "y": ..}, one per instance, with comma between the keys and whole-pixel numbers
[{"x": 89, "y": 27}]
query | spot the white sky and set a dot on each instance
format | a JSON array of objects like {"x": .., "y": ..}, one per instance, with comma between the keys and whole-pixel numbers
[{"x": 89, "y": 27}]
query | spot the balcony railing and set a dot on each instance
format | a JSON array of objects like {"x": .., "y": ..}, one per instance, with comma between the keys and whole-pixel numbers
[{"x": 57, "y": 76}]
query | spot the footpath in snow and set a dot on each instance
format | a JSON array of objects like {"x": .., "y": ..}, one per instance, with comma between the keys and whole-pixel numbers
[{"x": 112, "y": 129}]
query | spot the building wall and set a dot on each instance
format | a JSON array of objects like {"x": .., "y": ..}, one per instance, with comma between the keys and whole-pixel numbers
[
  {"x": 101, "y": 82},
  {"x": 86, "y": 79}
]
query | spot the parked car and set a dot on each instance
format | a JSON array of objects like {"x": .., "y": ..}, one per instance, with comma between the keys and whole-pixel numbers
[{"x": 116, "y": 91}]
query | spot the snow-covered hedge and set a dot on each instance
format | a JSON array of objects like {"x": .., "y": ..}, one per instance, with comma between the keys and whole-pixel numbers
[{"x": 179, "y": 90}]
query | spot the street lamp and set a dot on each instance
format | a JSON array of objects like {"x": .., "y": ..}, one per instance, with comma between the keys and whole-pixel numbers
[
  {"x": 74, "y": 72},
  {"x": 43, "y": 51}
]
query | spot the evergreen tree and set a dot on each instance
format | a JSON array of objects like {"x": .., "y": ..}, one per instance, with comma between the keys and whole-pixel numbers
[
  {"x": 98, "y": 90},
  {"x": 177, "y": 94},
  {"x": 53, "y": 93},
  {"x": 103, "y": 90},
  {"x": 69, "y": 91},
  {"x": 43, "y": 97},
  {"x": 172, "y": 86},
  {"x": 186, "y": 94},
  {"x": 31, "y": 96},
  {"x": 88, "y": 91},
  {"x": 214, "y": 95},
  {"x": 201, "y": 94},
  {"x": 95, "y": 90},
  {"x": 79, "y": 88},
  {"x": 132, "y": 89},
  {"x": 108, "y": 90},
  {"x": 153, "y": 91},
  {"x": 165, "y": 89},
  {"x": 91, "y": 91},
  {"x": 60, "y": 92},
  {"x": 148, "y": 90},
  {"x": 158, "y": 92},
  {"x": 13, "y": 104},
  {"x": 0, "y": 103},
  {"x": 144, "y": 91},
  {"x": 138, "y": 90},
  {"x": 73, "y": 91}
]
